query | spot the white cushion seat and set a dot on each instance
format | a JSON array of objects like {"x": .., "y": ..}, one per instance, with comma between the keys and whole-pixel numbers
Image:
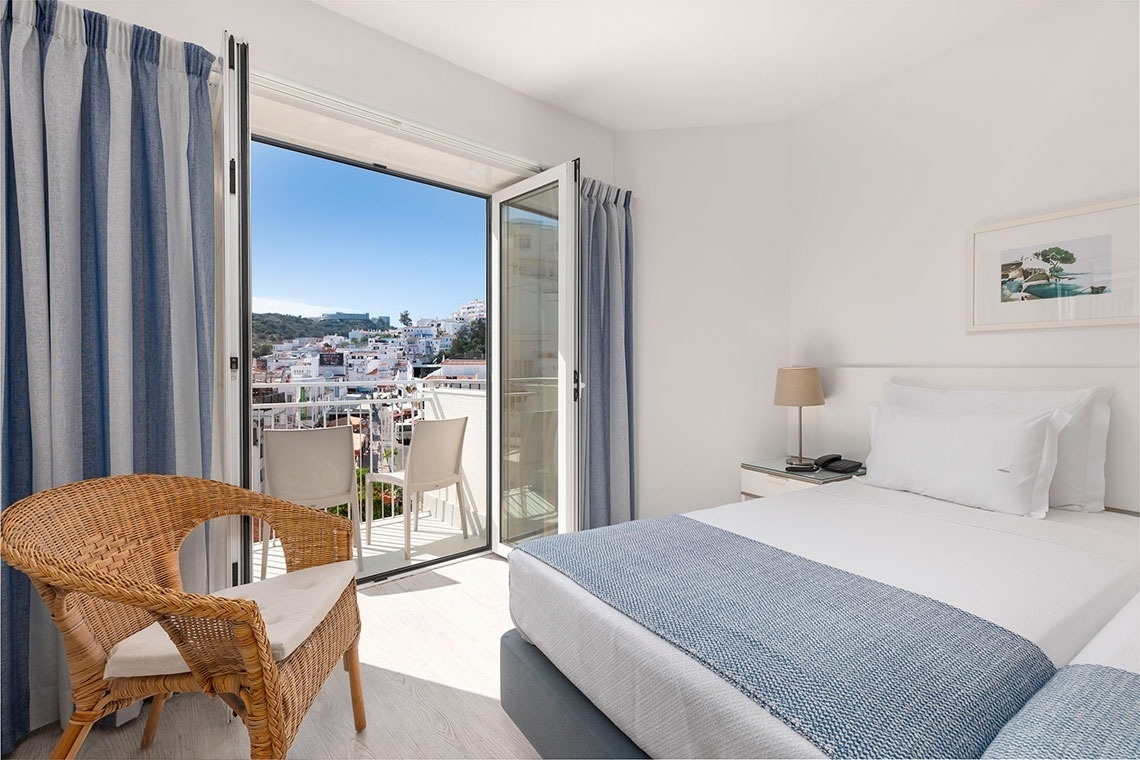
[{"x": 292, "y": 606}]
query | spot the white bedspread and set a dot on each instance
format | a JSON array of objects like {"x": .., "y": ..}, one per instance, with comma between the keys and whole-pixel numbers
[
  {"x": 1054, "y": 582},
  {"x": 1117, "y": 645}
]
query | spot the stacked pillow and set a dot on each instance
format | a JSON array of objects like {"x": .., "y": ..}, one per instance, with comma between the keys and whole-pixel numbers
[{"x": 1020, "y": 452}]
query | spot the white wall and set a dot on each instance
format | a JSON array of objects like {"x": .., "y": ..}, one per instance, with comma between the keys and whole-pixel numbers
[
  {"x": 305, "y": 43},
  {"x": 710, "y": 307},
  {"x": 1037, "y": 118},
  {"x": 840, "y": 238}
]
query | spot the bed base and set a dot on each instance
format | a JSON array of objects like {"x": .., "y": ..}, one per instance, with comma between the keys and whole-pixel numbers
[{"x": 557, "y": 719}]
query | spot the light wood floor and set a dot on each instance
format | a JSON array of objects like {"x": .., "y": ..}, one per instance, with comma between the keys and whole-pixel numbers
[{"x": 429, "y": 657}]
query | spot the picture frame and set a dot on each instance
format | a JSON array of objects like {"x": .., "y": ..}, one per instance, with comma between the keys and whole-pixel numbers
[{"x": 1073, "y": 268}]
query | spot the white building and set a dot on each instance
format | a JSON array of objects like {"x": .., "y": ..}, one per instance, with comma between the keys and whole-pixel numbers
[{"x": 472, "y": 310}]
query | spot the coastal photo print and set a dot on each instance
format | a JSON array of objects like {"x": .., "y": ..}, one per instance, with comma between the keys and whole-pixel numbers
[
  {"x": 1058, "y": 270},
  {"x": 1073, "y": 268}
]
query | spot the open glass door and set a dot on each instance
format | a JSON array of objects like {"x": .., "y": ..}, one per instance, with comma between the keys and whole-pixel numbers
[{"x": 534, "y": 357}]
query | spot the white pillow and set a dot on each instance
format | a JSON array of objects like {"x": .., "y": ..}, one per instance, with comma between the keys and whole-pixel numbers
[
  {"x": 1078, "y": 483},
  {"x": 998, "y": 462}
]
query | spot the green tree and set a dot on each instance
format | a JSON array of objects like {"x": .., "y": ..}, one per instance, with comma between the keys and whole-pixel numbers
[
  {"x": 405, "y": 318},
  {"x": 470, "y": 340},
  {"x": 1054, "y": 257},
  {"x": 274, "y": 328},
  {"x": 262, "y": 349}
]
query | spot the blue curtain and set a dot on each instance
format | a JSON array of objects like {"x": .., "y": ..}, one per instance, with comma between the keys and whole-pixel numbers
[
  {"x": 108, "y": 271},
  {"x": 606, "y": 235}
]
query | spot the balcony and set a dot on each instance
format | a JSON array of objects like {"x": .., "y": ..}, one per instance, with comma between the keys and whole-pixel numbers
[{"x": 381, "y": 415}]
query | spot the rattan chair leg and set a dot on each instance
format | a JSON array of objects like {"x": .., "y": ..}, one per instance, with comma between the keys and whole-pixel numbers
[
  {"x": 152, "y": 718},
  {"x": 352, "y": 666},
  {"x": 68, "y": 745},
  {"x": 235, "y": 704}
]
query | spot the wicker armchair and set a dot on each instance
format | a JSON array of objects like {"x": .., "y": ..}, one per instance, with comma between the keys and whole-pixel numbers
[{"x": 103, "y": 554}]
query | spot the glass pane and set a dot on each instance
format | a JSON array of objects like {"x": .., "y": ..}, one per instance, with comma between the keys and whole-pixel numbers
[{"x": 529, "y": 244}]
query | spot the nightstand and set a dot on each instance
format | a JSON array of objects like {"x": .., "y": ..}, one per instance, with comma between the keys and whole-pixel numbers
[{"x": 769, "y": 478}]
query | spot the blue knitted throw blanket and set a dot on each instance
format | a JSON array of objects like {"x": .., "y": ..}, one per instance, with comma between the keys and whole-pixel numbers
[
  {"x": 858, "y": 667},
  {"x": 1085, "y": 711}
]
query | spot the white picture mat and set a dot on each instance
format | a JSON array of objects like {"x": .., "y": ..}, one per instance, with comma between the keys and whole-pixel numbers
[
  {"x": 841, "y": 425},
  {"x": 1121, "y": 304}
]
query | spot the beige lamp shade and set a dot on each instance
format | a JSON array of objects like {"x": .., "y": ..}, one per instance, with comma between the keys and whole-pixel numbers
[{"x": 798, "y": 386}]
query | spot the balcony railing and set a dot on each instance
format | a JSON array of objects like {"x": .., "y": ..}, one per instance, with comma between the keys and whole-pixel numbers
[{"x": 381, "y": 415}]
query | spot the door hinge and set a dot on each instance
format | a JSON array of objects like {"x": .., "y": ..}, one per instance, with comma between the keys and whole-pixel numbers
[
  {"x": 233, "y": 176},
  {"x": 234, "y": 363},
  {"x": 233, "y": 54},
  {"x": 577, "y": 384}
]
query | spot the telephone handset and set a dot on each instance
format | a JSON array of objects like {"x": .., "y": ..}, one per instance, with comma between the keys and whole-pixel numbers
[{"x": 836, "y": 463}]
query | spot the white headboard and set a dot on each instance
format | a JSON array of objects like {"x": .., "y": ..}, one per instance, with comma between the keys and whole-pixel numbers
[{"x": 841, "y": 425}]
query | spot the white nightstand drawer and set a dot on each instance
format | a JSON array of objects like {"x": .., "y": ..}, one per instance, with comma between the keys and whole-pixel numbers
[{"x": 754, "y": 483}]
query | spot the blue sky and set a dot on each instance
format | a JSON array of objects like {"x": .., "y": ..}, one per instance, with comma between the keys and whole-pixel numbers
[{"x": 331, "y": 237}]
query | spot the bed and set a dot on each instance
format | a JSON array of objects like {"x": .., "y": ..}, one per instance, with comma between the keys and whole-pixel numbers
[
  {"x": 1055, "y": 582},
  {"x": 1048, "y": 585}
]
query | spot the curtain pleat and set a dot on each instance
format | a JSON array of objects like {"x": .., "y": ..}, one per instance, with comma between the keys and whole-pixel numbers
[
  {"x": 95, "y": 114},
  {"x": 606, "y": 235},
  {"x": 107, "y": 327}
]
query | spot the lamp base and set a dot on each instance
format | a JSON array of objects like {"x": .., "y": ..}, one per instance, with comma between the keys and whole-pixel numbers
[{"x": 799, "y": 460}]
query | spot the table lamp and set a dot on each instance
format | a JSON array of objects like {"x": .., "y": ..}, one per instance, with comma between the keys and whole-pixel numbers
[{"x": 798, "y": 387}]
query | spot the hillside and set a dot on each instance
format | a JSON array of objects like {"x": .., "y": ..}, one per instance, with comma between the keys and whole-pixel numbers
[{"x": 274, "y": 328}]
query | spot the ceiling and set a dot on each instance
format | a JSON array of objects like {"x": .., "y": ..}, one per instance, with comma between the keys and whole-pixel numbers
[{"x": 661, "y": 64}]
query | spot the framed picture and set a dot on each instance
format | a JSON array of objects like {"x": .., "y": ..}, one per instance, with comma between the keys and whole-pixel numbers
[{"x": 1070, "y": 269}]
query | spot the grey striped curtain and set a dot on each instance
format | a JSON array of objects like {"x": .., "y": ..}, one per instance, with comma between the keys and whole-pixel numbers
[
  {"x": 108, "y": 269},
  {"x": 606, "y": 235}
]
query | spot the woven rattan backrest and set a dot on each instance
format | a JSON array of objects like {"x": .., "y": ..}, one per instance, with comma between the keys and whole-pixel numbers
[
  {"x": 122, "y": 526},
  {"x": 128, "y": 526}
]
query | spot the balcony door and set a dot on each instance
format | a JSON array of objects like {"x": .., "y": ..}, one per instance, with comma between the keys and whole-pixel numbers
[{"x": 534, "y": 252}]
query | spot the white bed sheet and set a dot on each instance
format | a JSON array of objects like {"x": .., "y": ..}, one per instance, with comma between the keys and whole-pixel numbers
[
  {"x": 1054, "y": 582},
  {"x": 1117, "y": 645}
]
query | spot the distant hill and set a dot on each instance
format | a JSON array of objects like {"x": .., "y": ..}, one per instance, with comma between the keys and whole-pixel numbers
[{"x": 275, "y": 328}]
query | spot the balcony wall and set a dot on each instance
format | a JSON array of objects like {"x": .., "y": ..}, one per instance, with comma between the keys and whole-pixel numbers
[{"x": 449, "y": 403}]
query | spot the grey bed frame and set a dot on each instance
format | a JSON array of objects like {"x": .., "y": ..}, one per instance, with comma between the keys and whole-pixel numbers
[{"x": 557, "y": 719}]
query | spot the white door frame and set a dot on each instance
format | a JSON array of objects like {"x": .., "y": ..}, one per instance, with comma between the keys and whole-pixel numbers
[{"x": 566, "y": 176}]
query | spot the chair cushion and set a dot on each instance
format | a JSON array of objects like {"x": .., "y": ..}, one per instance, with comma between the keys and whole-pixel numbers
[{"x": 291, "y": 605}]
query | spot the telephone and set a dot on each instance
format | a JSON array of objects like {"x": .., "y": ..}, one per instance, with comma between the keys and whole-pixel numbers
[{"x": 836, "y": 463}]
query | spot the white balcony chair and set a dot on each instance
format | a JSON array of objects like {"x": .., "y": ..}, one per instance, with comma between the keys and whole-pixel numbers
[
  {"x": 315, "y": 468},
  {"x": 435, "y": 461}
]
